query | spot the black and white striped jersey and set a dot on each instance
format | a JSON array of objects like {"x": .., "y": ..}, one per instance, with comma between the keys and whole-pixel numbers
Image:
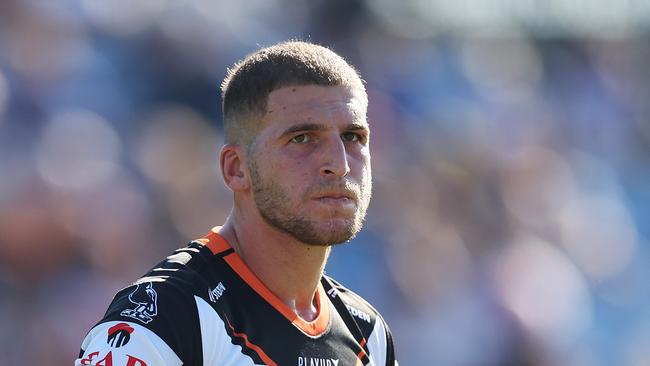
[{"x": 204, "y": 306}]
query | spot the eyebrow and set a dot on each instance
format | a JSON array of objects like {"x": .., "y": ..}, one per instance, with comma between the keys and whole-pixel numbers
[{"x": 320, "y": 127}]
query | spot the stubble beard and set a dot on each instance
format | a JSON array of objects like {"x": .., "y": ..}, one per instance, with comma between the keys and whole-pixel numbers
[{"x": 274, "y": 205}]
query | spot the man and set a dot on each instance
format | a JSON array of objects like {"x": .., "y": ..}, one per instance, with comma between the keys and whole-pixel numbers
[{"x": 252, "y": 292}]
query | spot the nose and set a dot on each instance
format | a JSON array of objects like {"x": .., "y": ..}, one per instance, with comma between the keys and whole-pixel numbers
[{"x": 335, "y": 159}]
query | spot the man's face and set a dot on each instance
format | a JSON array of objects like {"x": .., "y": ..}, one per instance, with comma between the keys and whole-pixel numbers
[{"x": 310, "y": 163}]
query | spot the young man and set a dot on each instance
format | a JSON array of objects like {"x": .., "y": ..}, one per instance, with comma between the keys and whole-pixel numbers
[{"x": 252, "y": 292}]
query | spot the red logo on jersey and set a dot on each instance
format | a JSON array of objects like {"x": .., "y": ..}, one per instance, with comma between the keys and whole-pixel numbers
[
  {"x": 108, "y": 360},
  {"x": 132, "y": 361},
  {"x": 119, "y": 335}
]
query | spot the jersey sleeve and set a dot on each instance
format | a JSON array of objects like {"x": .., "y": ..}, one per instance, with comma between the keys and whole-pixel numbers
[
  {"x": 152, "y": 322},
  {"x": 125, "y": 343},
  {"x": 380, "y": 344}
]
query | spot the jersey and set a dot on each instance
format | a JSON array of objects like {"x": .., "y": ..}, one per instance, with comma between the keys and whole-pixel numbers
[{"x": 203, "y": 306}]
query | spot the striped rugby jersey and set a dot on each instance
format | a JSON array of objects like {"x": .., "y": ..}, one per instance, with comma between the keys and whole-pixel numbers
[{"x": 204, "y": 306}]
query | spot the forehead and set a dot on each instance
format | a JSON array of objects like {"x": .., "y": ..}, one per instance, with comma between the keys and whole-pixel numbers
[{"x": 311, "y": 102}]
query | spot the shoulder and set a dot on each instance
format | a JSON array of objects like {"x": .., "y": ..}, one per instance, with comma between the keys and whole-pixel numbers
[
  {"x": 156, "y": 317},
  {"x": 372, "y": 325},
  {"x": 364, "y": 313},
  {"x": 165, "y": 293}
]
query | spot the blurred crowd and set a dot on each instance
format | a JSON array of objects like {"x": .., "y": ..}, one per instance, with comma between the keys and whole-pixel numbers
[{"x": 511, "y": 209}]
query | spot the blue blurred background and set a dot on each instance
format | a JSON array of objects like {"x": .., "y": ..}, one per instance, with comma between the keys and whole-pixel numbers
[{"x": 511, "y": 153}]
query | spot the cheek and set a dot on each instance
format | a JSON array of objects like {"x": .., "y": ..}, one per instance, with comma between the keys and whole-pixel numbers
[
  {"x": 293, "y": 177},
  {"x": 297, "y": 171},
  {"x": 367, "y": 163},
  {"x": 362, "y": 165}
]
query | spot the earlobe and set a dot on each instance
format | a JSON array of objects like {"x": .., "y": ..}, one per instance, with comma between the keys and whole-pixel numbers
[{"x": 233, "y": 169}]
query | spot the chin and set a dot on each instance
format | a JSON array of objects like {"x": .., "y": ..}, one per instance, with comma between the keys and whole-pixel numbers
[
  {"x": 315, "y": 230},
  {"x": 330, "y": 239},
  {"x": 338, "y": 231}
]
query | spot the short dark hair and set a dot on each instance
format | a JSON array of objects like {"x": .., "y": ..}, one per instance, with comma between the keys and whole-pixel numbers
[{"x": 249, "y": 82}]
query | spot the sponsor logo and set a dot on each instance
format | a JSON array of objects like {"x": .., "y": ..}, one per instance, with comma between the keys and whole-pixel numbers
[
  {"x": 119, "y": 335},
  {"x": 93, "y": 359},
  {"x": 313, "y": 361},
  {"x": 216, "y": 292},
  {"x": 358, "y": 313},
  {"x": 146, "y": 300},
  {"x": 332, "y": 293}
]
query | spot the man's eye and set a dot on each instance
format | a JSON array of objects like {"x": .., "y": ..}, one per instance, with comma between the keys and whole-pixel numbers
[
  {"x": 351, "y": 137},
  {"x": 301, "y": 139}
]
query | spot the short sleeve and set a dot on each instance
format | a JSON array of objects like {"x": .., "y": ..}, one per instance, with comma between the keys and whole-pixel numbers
[
  {"x": 152, "y": 322},
  {"x": 125, "y": 343}
]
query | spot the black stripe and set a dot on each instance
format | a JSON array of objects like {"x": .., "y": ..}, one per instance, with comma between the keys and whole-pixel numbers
[
  {"x": 240, "y": 341},
  {"x": 348, "y": 319},
  {"x": 225, "y": 252},
  {"x": 390, "y": 350}
]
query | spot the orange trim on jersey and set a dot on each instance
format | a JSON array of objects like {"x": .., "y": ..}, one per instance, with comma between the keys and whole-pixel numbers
[
  {"x": 313, "y": 328},
  {"x": 260, "y": 352},
  {"x": 361, "y": 353},
  {"x": 215, "y": 242}
]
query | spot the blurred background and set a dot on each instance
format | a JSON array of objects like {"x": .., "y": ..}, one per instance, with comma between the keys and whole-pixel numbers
[{"x": 511, "y": 153}]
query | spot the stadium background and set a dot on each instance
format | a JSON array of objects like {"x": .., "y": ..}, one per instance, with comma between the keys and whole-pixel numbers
[{"x": 511, "y": 153}]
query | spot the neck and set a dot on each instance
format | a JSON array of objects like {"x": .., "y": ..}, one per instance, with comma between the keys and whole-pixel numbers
[{"x": 266, "y": 250}]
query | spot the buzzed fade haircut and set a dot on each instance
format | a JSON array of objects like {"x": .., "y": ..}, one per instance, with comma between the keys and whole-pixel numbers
[{"x": 246, "y": 88}]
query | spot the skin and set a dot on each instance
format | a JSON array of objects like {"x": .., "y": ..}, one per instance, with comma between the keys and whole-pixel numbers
[{"x": 303, "y": 186}]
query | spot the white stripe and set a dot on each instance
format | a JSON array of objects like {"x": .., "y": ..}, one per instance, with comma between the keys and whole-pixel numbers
[
  {"x": 218, "y": 350},
  {"x": 377, "y": 344}
]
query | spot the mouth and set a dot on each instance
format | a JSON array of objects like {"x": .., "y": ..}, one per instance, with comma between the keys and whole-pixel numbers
[
  {"x": 342, "y": 195},
  {"x": 337, "y": 199},
  {"x": 330, "y": 199}
]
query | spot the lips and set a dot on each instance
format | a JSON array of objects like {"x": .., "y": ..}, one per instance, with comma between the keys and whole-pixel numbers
[
  {"x": 335, "y": 199},
  {"x": 336, "y": 196},
  {"x": 342, "y": 195},
  {"x": 339, "y": 200}
]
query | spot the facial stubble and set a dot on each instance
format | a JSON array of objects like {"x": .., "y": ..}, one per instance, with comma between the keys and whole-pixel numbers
[{"x": 274, "y": 205}]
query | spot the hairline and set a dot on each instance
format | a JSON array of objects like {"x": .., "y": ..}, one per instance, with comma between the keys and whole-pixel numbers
[
  {"x": 260, "y": 114},
  {"x": 241, "y": 115}
]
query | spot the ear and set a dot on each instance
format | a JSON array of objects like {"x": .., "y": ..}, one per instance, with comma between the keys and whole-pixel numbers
[{"x": 233, "y": 169}]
